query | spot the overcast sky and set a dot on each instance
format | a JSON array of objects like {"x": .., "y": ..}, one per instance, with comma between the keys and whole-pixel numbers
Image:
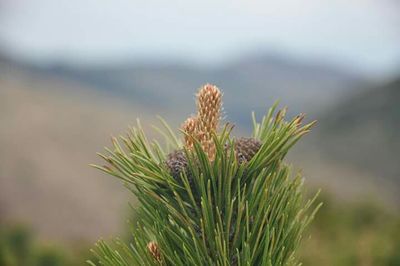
[{"x": 364, "y": 34}]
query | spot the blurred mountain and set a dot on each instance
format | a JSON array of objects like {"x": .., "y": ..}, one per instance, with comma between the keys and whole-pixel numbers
[
  {"x": 363, "y": 131},
  {"x": 54, "y": 119},
  {"x": 250, "y": 84},
  {"x": 48, "y": 136}
]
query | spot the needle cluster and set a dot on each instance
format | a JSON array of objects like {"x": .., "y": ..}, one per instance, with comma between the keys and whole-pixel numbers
[{"x": 211, "y": 199}]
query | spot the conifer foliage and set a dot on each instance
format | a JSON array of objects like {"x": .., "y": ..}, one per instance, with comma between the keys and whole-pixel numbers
[{"x": 211, "y": 199}]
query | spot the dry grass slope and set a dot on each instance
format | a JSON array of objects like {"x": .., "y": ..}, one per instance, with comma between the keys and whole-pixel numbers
[{"x": 48, "y": 136}]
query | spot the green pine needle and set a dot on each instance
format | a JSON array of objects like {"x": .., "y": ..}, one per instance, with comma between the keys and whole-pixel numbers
[{"x": 232, "y": 214}]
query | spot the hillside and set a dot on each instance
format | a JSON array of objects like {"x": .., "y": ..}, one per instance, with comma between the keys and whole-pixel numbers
[
  {"x": 250, "y": 83},
  {"x": 54, "y": 122},
  {"x": 48, "y": 136},
  {"x": 364, "y": 130}
]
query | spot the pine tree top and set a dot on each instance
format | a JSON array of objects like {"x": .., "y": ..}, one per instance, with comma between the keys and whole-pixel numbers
[{"x": 213, "y": 200}]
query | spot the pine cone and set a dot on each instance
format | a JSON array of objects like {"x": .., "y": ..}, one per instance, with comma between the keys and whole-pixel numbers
[
  {"x": 177, "y": 163},
  {"x": 209, "y": 103},
  {"x": 246, "y": 148},
  {"x": 190, "y": 126},
  {"x": 154, "y": 251}
]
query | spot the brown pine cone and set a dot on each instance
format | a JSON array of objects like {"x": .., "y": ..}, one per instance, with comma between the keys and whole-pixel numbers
[
  {"x": 176, "y": 162},
  {"x": 246, "y": 148},
  {"x": 154, "y": 250}
]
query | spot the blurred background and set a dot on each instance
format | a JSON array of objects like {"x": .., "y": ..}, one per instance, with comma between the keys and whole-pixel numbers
[{"x": 74, "y": 72}]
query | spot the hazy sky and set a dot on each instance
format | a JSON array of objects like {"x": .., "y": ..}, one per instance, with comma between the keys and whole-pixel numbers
[{"x": 360, "y": 33}]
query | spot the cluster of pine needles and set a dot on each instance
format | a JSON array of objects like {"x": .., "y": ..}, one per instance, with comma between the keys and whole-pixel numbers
[{"x": 211, "y": 199}]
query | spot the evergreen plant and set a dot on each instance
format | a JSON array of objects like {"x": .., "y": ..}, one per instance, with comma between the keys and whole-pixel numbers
[{"x": 211, "y": 199}]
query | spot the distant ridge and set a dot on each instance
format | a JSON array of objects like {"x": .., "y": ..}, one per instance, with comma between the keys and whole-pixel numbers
[
  {"x": 253, "y": 82},
  {"x": 364, "y": 131}
]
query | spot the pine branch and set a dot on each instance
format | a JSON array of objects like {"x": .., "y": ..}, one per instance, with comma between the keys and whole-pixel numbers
[{"x": 234, "y": 202}]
